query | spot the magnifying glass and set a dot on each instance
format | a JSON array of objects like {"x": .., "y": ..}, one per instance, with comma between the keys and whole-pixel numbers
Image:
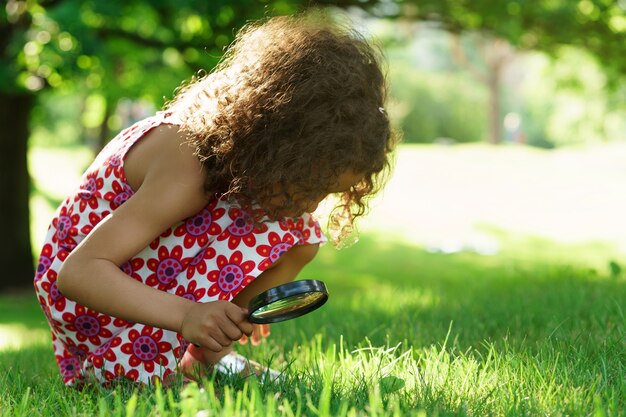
[{"x": 287, "y": 301}]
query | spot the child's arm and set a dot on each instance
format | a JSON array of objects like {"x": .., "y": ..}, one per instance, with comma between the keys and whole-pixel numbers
[{"x": 168, "y": 179}]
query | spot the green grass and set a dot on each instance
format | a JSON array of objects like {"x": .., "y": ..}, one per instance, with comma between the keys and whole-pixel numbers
[
  {"x": 406, "y": 332},
  {"x": 538, "y": 328}
]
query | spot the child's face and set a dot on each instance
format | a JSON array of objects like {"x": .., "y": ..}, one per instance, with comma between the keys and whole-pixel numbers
[{"x": 306, "y": 202}]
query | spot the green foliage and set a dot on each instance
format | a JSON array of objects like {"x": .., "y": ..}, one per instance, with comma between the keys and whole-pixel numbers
[
  {"x": 105, "y": 51},
  {"x": 55, "y": 121},
  {"x": 561, "y": 100},
  {"x": 615, "y": 268},
  {"x": 567, "y": 102},
  {"x": 428, "y": 106},
  {"x": 119, "y": 46},
  {"x": 596, "y": 25}
]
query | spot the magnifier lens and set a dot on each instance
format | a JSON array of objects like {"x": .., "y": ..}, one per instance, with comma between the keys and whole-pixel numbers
[
  {"x": 286, "y": 305},
  {"x": 287, "y": 301}
]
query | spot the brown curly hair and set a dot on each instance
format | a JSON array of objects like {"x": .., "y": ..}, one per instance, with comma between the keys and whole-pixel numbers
[{"x": 294, "y": 103}]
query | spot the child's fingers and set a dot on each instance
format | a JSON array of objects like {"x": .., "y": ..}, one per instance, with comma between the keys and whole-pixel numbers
[
  {"x": 255, "y": 339},
  {"x": 213, "y": 345},
  {"x": 259, "y": 332},
  {"x": 232, "y": 331},
  {"x": 265, "y": 330},
  {"x": 239, "y": 317}
]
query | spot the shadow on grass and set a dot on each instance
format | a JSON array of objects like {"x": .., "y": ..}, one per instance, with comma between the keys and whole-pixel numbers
[
  {"x": 22, "y": 308},
  {"x": 382, "y": 289},
  {"x": 390, "y": 293}
]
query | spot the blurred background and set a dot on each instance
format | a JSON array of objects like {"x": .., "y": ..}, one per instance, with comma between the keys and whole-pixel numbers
[{"x": 512, "y": 113}]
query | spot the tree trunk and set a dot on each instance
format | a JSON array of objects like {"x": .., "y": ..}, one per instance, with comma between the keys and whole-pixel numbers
[
  {"x": 104, "y": 133},
  {"x": 16, "y": 262},
  {"x": 495, "y": 119}
]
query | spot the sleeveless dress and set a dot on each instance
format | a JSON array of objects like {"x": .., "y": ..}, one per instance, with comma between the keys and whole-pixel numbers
[{"x": 209, "y": 256}]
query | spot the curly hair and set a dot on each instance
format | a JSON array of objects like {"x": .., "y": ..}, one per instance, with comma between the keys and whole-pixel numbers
[{"x": 295, "y": 102}]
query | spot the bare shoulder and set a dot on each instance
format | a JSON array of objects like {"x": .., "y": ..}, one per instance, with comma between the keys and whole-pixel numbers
[
  {"x": 168, "y": 183},
  {"x": 163, "y": 166},
  {"x": 164, "y": 151}
]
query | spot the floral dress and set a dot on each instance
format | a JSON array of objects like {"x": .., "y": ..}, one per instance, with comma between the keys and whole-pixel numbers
[{"x": 210, "y": 256}]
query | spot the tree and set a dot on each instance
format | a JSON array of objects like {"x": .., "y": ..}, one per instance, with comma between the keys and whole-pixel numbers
[
  {"x": 599, "y": 26},
  {"x": 496, "y": 53},
  {"x": 111, "y": 47}
]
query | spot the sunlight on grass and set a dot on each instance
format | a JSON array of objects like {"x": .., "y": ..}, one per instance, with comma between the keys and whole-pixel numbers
[
  {"x": 449, "y": 194},
  {"x": 17, "y": 336},
  {"x": 55, "y": 172}
]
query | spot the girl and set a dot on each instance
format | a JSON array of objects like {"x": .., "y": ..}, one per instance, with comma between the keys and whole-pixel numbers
[{"x": 147, "y": 267}]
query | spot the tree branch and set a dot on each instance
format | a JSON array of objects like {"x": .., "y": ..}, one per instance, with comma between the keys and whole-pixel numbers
[
  {"x": 105, "y": 33},
  {"x": 460, "y": 57}
]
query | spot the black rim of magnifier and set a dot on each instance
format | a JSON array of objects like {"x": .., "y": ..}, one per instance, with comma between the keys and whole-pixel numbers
[{"x": 284, "y": 291}]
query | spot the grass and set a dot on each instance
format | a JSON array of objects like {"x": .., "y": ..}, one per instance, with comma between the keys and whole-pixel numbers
[
  {"x": 535, "y": 328},
  {"x": 446, "y": 335}
]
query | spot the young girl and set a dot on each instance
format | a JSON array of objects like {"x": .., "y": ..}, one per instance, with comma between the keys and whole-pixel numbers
[{"x": 147, "y": 267}]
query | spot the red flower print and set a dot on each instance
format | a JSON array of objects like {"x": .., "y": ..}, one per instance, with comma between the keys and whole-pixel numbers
[
  {"x": 231, "y": 277},
  {"x": 146, "y": 348},
  {"x": 301, "y": 233},
  {"x": 131, "y": 267},
  {"x": 54, "y": 324},
  {"x": 94, "y": 219},
  {"x": 241, "y": 229},
  {"x": 121, "y": 192},
  {"x": 179, "y": 351},
  {"x": 65, "y": 225},
  {"x": 45, "y": 260},
  {"x": 88, "y": 324},
  {"x": 314, "y": 224},
  {"x": 190, "y": 292},
  {"x": 81, "y": 351},
  {"x": 105, "y": 353},
  {"x": 198, "y": 263},
  {"x": 166, "y": 267},
  {"x": 156, "y": 242},
  {"x": 275, "y": 249},
  {"x": 49, "y": 285},
  {"x": 89, "y": 192},
  {"x": 198, "y": 228},
  {"x": 69, "y": 365},
  {"x": 113, "y": 165},
  {"x": 120, "y": 372},
  {"x": 120, "y": 323}
]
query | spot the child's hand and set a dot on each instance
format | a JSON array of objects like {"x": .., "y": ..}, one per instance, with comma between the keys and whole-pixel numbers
[
  {"x": 215, "y": 325},
  {"x": 259, "y": 330}
]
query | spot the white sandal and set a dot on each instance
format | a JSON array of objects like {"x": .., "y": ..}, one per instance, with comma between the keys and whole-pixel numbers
[{"x": 235, "y": 364}]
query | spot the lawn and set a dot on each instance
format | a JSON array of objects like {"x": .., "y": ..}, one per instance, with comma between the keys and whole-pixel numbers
[{"x": 482, "y": 322}]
